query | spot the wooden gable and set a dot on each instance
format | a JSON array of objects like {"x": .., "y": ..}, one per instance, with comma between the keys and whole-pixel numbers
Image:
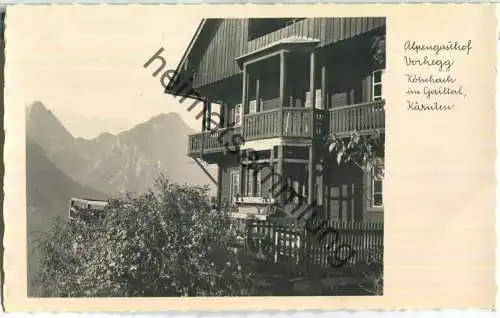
[{"x": 212, "y": 54}]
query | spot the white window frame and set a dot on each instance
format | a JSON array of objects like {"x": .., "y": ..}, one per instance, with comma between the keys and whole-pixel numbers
[
  {"x": 234, "y": 175},
  {"x": 381, "y": 84},
  {"x": 258, "y": 185},
  {"x": 252, "y": 106},
  {"x": 249, "y": 183},
  {"x": 318, "y": 96},
  {"x": 307, "y": 102},
  {"x": 237, "y": 115},
  {"x": 373, "y": 193}
]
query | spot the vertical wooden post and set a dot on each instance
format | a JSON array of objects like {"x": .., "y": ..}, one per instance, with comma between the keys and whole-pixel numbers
[
  {"x": 242, "y": 171},
  {"x": 282, "y": 79},
  {"x": 324, "y": 104},
  {"x": 312, "y": 78},
  {"x": 244, "y": 95},
  {"x": 312, "y": 154},
  {"x": 257, "y": 94},
  {"x": 225, "y": 115},
  {"x": 312, "y": 89},
  {"x": 281, "y": 174},
  {"x": 219, "y": 192},
  {"x": 271, "y": 157},
  {"x": 310, "y": 194},
  {"x": 204, "y": 118},
  {"x": 209, "y": 115}
]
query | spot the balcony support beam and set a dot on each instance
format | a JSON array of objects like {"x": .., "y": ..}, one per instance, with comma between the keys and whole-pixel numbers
[{"x": 205, "y": 170}]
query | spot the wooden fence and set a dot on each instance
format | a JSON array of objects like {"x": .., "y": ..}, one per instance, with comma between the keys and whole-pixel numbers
[{"x": 301, "y": 248}]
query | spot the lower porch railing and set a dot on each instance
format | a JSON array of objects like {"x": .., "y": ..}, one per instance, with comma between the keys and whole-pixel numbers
[{"x": 297, "y": 251}]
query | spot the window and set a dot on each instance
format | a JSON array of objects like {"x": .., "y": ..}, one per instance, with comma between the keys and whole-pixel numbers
[
  {"x": 258, "y": 185},
  {"x": 237, "y": 115},
  {"x": 254, "y": 183},
  {"x": 377, "y": 194},
  {"x": 250, "y": 183},
  {"x": 377, "y": 80},
  {"x": 235, "y": 185},
  {"x": 253, "y": 106}
]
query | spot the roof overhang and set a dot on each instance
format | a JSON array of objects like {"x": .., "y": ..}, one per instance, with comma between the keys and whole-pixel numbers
[
  {"x": 175, "y": 82},
  {"x": 292, "y": 43}
]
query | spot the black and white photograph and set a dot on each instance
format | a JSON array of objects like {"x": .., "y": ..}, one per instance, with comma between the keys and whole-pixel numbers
[
  {"x": 244, "y": 158},
  {"x": 249, "y": 162}
]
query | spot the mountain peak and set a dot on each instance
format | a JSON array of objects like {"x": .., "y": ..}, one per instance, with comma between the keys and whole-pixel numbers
[
  {"x": 37, "y": 108},
  {"x": 38, "y": 105},
  {"x": 167, "y": 117},
  {"x": 44, "y": 127},
  {"x": 171, "y": 122}
]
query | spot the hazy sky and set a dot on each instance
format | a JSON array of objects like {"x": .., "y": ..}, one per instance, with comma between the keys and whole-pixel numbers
[{"x": 86, "y": 63}]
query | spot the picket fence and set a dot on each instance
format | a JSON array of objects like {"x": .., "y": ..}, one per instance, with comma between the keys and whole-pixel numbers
[{"x": 301, "y": 248}]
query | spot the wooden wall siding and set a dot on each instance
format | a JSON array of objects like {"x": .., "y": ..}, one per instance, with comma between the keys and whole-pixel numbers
[
  {"x": 218, "y": 58},
  {"x": 215, "y": 60},
  {"x": 327, "y": 30},
  {"x": 351, "y": 80}
]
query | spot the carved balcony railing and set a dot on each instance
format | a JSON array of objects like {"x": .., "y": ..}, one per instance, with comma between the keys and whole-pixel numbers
[
  {"x": 294, "y": 122},
  {"x": 210, "y": 142},
  {"x": 283, "y": 122},
  {"x": 364, "y": 118}
]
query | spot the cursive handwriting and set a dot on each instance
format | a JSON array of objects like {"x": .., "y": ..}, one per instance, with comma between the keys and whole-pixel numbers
[
  {"x": 439, "y": 63},
  {"x": 430, "y": 77},
  {"x": 415, "y": 105},
  {"x": 437, "y": 48}
]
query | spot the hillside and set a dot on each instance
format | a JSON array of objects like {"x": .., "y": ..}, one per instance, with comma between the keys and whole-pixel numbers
[
  {"x": 128, "y": 161},
  {"x": 48, "y": 191}
]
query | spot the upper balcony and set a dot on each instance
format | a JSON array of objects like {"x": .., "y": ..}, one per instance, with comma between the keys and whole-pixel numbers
[
  {"x": 363, "y": 118},
  {"x": 299, "y": 122}
]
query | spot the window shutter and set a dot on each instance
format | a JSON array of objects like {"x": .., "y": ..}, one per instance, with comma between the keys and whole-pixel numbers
[{"x": 237, "y": 115}]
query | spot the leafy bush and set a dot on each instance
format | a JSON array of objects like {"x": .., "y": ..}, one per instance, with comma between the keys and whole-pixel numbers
[
  {"x": 375, "y": 271},
  {"x": 167, "y": 242}
]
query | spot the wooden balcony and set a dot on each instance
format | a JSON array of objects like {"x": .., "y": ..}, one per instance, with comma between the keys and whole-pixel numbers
[
  {"x": 283, "y": 122},
  {"x": 293, "y": 123},
  {"x": 364, "y": 118},
  {"x": 211, "y": 142}
]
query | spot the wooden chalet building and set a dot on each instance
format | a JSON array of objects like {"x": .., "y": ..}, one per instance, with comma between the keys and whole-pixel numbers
[{"x": 279, "y": 87}]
